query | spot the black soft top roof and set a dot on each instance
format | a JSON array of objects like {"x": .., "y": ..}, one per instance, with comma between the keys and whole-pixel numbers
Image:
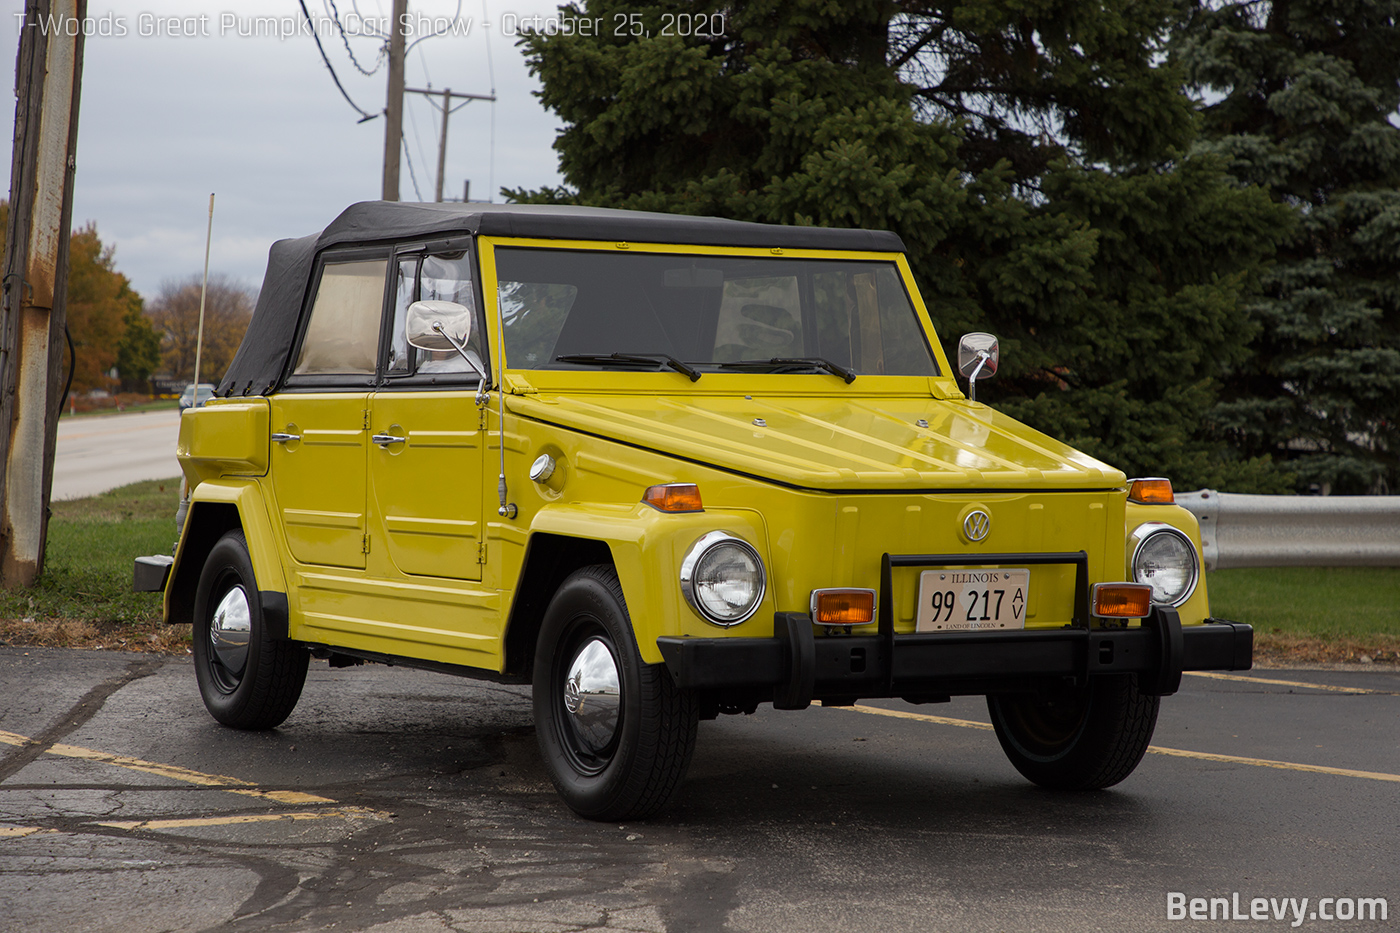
[{"x": 262, "y": 357}]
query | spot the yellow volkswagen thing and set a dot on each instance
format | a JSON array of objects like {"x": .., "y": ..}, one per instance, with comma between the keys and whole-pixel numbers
[{"x": 662, "y": 468}]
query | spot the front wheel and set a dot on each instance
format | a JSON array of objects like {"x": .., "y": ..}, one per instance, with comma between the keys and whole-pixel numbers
[
  {"x": 248, "y": 679},
  {"x": 615, "y": 733},
  {"x": 1082, "y": 738}
]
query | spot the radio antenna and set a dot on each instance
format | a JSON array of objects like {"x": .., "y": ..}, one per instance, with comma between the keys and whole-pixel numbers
[{"x": 203, "y": 291}]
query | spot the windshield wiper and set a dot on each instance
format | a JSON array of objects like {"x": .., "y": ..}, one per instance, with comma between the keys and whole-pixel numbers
[
  {"x": 638, "y": 358},
  {"x": 807, "y": 362}
]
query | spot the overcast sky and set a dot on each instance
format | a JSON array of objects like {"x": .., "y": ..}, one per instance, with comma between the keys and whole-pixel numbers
[{"x": 256, "y": 119}]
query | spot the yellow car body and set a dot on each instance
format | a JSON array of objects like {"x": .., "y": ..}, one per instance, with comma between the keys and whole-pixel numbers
[{"x": 400, "y": 522}]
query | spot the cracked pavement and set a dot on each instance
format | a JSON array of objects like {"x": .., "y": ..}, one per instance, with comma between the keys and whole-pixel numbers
[{"x": 399, "y": 801}]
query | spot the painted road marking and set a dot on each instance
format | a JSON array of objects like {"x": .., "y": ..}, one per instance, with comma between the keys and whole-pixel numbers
[
  {"x": 16, "y": 832},
  {"x": 223, "y": 782},
  {"x": 346, "y": 812},
  {"x": 1286, "y": 683},
  {"x": 1153, "y": 749}
]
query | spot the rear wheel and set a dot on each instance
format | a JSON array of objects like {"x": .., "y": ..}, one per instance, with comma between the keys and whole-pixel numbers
[
  {"x": 1082, "y": 738},
  {"x": 615, "y": 733},
  {"x": 248, "y": 680}
]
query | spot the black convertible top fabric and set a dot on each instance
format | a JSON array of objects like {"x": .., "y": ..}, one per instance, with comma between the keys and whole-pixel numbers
[{"x": 262, "y": 357}]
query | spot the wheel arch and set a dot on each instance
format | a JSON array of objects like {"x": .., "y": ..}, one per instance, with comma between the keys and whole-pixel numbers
[
  {"x": 549, "y": 559},
  {"x": 216, "y": 508}
]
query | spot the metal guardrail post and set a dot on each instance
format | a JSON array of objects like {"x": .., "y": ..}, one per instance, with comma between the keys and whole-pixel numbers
[{"x": 1239, "y": 530}]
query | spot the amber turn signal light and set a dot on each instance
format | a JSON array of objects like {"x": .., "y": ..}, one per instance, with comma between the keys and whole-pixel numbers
[
  {"x": 843, "y": 606},
  {"x": 1152, "y": 490},
  {"x": 674, "y": 497},
  {"x": 1122, "y": 600}
]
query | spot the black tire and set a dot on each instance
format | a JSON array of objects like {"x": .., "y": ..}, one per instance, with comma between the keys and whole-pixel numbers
[
  {"x": 263, "y": 691},
  {"x": 633, "y": 769},
  {"x": 1086, "y": 738}
]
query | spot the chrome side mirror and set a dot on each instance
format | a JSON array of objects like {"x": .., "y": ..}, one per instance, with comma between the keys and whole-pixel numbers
[
  {"x": 978, "y": 355},
  {"x": 438, "y": 325}
]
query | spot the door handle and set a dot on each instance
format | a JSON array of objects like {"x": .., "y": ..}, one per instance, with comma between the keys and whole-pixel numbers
[
  {"x": 280, "y": 438},
  {"x": 384, "y": 440}
]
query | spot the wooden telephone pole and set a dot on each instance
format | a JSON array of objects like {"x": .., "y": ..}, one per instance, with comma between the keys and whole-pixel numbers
[
  {"x": 447, "y": 95},
  {"x": 393, "y": 104},
  {"x": 48, "y": 81}
]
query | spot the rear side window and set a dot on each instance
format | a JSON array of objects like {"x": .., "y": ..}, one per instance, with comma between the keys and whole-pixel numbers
[{"x": 342, "y": 336}]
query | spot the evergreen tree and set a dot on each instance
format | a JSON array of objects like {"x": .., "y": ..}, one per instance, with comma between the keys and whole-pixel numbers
[
  {"x": 1028, "y": 154},
  {"x": 1301, "y": 95}
]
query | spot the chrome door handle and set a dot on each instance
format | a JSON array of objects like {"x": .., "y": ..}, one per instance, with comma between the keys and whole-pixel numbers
[
  {"x": 384, "y": 440},
  {"x": 280, "y": 438}
]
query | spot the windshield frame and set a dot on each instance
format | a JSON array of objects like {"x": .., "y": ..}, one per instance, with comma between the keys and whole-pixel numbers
[{"x": 628, "y": 378}]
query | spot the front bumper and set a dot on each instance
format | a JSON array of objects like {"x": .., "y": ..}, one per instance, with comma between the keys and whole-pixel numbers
[
  {"x": 798, "y": 667},
  {"x": 794, "y": 667}
]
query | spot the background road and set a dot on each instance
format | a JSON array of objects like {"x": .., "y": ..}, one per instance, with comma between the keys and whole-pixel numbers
[
  {"x": 95, "y": 453},
  {"x": 398, "y": 801}
]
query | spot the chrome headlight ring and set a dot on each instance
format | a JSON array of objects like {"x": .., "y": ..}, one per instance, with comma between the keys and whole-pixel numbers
[
  {"x": 1148, "y": 540},
  {"x": 699, "y": 586}
]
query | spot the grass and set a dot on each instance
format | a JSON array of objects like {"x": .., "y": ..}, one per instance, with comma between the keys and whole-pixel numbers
[
  {"x": 1313, "y": 613},
  {"x": 84, "y": 597}
]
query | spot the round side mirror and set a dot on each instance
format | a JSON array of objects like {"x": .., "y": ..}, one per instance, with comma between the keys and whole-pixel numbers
[{"x": 438, "y": 325}]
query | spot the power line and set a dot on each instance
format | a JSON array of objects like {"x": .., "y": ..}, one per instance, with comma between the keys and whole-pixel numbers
[
  {"x": 412, "y": 175},
  {"x": 379, "y": 59},
  {"x": 364, "y": 115}
]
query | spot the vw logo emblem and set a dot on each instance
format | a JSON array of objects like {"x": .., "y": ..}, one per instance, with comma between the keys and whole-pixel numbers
[
  {"x": 977, "y": 524},
  {"x": 573, "y": 697}
]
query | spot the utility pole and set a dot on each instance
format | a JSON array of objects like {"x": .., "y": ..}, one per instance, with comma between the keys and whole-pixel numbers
[
  {"x": 48, "y": 78},
  {"x": 393, "y": 104},
  {"x": 447, "y": 96}
]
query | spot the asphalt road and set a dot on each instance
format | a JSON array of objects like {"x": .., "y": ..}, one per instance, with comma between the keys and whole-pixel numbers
[
  {"x": 397, "y": 801},
  {"x": 95, "y": 453}
]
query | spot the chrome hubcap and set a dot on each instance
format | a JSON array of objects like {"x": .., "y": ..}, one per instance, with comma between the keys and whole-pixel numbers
[
  {"x": 231, "y": 629},
  {"x": 593, "y": 696}
]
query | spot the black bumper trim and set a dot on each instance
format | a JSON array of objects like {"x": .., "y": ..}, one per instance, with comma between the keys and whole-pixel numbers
[{"x": 863, "y": 666}]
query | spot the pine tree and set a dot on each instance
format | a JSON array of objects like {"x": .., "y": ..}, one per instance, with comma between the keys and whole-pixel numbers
[
  {"x": 1300, "y": 97},
  {"x": 1028, "y": 154}
]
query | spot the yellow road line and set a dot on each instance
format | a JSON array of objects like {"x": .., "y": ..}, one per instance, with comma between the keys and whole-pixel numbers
[
  {"x": 1285, "y": 683},
  {"x": 174, "y": 772},
  {"x": 1154, "y": 749},
  {"x": 347, "y": 813},
  {"x": 15, "y": 832}
]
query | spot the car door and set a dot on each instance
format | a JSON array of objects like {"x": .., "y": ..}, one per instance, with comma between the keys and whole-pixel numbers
[
  {"x": 319, "y": 440},
  {"x": 427, "y": 440}
]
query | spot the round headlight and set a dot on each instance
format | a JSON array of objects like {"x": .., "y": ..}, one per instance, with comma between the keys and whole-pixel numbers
[
  {"x": 722, "y": 578},
  {"x": 1165, "y": 559}
]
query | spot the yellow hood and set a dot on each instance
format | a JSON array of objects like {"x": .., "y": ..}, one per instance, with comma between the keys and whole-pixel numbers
[{"x": 846, "y": 443}]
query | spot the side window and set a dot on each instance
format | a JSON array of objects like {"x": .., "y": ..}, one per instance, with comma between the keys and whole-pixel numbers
[
  {"x": 441, "y": 277},
  {"x": 342, "y": 337}
]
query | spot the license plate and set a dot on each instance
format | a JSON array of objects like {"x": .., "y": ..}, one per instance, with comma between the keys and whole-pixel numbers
[{"x": 972, "y": 600}]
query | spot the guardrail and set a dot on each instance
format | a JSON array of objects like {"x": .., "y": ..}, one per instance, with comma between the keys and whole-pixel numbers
[{"x": 1239, "y": 530}]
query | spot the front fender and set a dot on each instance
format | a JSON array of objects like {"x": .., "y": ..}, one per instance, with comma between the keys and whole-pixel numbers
[
  {"x": 216, "y": 507},
  {"x": 647, "y": 548},
  {"x": 1196, "y": 609}
]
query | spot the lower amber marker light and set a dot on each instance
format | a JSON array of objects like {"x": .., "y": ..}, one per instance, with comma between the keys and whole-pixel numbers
[
  {"x": 1122, "y": 600},
  {"x": 843, "y": 606}
]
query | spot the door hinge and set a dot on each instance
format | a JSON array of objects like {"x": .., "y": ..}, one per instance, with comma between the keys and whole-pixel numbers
[
  {"x": 481, "y": 553},
  {"x": 366, "y": 544},
  {"x": 364, "y": 419},
  {"x": 481, "y": 419}
]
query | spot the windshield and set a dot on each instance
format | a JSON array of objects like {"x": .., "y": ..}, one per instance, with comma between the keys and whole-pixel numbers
[{"x": 712, "y": 313}]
